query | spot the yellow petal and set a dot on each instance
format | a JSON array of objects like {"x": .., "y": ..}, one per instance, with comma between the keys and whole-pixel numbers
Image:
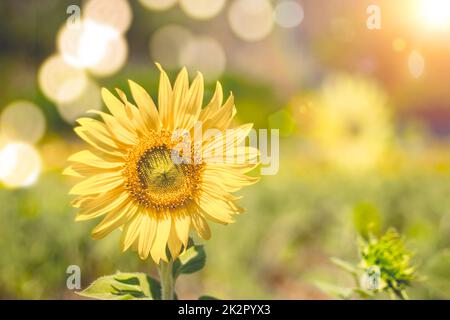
[
  {"x": 98, "y": 184},
  {"x": 226, "y": 178},
  {"x": 133, "y": 114},
  {"x": 146, "y": 106},
  {"x": 90, "y": 159},
  {"x": 221, "y": 143},
  {"x": 222, "y": 118},
  {"x": 85, "y": 171},
  {"x": 217, "y": 191},
  {"x": 174, "y": 243},
  {"x": 101, "y": 205},
  {"x": 130, "y": 232},
  {"x": 117, "y": 130},
  {"x": 78, "y": 201},
  {"x": 193, "y": 104},
  {"x": 214, "y": 105},
  {"x": 117, "y": 109},
  {"x": 164, "y": 97},
  {"x": 158, "y": 250},
  {"x": 114, "y": 220},
  {"x": 236, "y": 209},
  {"x": 98, "y": 130},
  {"x": 69, "y": 171},
  {"x": 201, "y": 226},
  {"x": 114, "y": 105},
  {"x": 215, "y": 208},
  {"x": 182, "y": 222},
  {"x": 138, "y": 121},
  {"x": 126, "y": 104},
  {"x": 180, "y": 90},
  {"x": 94, "y": 141},
  {"x": 243, "y": 168},
  {"x": 147, "y": 232},
  {"x": 246, "y": 156}
]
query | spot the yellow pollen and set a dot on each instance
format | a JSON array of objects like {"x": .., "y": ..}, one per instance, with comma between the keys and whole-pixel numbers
[{"x": 154, "y": 179}]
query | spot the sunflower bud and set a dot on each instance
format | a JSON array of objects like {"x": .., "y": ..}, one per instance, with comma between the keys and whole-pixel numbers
[{"x": 387, "y": 263}]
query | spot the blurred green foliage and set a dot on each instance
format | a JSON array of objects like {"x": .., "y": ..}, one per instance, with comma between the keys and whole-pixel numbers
[
  {"x": 277, "y": 249},
  {"x": 295, "y": 221}
]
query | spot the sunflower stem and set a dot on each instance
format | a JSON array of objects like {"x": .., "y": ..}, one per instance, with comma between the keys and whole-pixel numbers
[{"x": 166, "y": 278}]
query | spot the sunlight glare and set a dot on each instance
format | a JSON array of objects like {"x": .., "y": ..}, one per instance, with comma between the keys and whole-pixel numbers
[{"x": 435, "y": 14}]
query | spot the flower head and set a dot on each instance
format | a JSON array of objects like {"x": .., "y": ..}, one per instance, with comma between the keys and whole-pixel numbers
[
  {"x": 156, "y": 172},
  {"x": 388, "y": 257},
  {"x": 350, "y": 121}
]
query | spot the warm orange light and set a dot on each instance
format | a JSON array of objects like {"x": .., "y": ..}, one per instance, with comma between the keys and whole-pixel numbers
[{"x": 435, "y": 14}]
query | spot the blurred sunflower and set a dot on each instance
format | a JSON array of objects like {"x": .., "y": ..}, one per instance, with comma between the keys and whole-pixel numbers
[
  {"x": 132, "y": 177},
  {"x": 350, "y": 121}
]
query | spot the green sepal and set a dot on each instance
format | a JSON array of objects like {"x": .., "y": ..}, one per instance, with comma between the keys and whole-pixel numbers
[{"x": 191, "y": 260}]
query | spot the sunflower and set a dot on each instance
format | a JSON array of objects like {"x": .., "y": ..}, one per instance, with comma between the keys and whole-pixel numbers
[
  {"x": 351, "y": 122},
  {"x": 132, "y": 179}
]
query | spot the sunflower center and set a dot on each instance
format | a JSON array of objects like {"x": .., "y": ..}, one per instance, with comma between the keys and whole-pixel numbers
[
  {"x": 154, "y": 179},
  {"x": 158, "y": 173},
  {"x": 354, "y": 128}
]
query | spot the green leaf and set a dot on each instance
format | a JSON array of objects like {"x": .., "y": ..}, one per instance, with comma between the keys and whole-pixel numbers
[
  {"x": 207, "y": 298},
  {"x": 344, "y": 265},
  {"x": 192, "y": 260},
  {"x": 123, "y": 286}
]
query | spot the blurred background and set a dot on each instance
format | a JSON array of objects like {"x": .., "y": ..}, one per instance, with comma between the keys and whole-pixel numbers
[{"x": 364, "y": 119}]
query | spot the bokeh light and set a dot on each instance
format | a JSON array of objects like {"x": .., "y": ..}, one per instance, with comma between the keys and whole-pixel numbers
[
  {"x": 167, "y": 43},
  {"x": 202, "y": 9},
  {"x": 158, "y": 4},
  {"x": 399, "y": 44},
  {"x": 435, "y": 14},
  {"x": 114, "y": 59},
  {"x": 114, "y": 13},
  {"x": 87, "y": 45},
  {"x": 251, "y": 20},
  {"x": 59, "y": 81},
  {"x": 90, "y": 99},
  {"x": 20, "y": 165},
  {"x": 416, "y": 64},
  {"x": 22, "y": 121},
  {"x": 288, "y": 14},
  {"x": 204, "y": 54},
  {"x": 364, "y": 116}
]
